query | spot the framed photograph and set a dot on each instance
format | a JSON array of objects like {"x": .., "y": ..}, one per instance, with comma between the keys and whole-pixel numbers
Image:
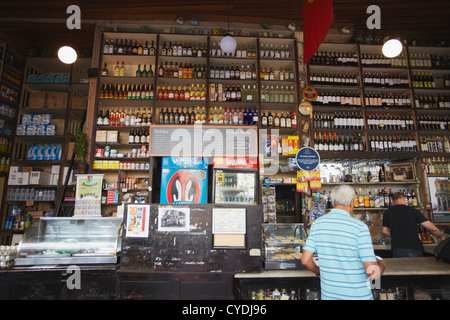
[
  {"x": 439, "y": 191},
  {"x": 174, "y": 219},
  {"x": 400, "y": 172}
]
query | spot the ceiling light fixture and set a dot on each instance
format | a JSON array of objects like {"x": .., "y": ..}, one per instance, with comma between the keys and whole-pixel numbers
[
  {"x": 392, "y": 48},
  {"x": 228, "y": 43},
  {"x": 67, "y": 55}
]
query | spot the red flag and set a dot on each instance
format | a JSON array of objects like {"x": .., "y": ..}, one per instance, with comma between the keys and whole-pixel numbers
[{"x": 317, "y": 19}]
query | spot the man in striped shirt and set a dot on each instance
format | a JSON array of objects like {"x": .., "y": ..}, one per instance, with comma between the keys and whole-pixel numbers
[{"x": 344, "y": 248}]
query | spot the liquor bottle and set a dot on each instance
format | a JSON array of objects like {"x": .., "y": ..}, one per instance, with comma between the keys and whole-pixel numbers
[
  {"x": 104, "y": 71},
  {"x": 381, "y": 175},
  {"x": 146, "y": 50},
  {"x": 356, "y": 200},
  {"x": 122, "y": 70},
  {"x": 117, "y": 69},
  {"x": 131, "y": 136}
]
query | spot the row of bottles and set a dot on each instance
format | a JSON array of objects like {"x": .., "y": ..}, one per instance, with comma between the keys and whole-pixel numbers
[
  {"x": 278, "y": 94},
  {"x": 144, "y": 73},
  {"x": 382, "y": 198},
  {"x": 184, "y": 49},
  {"x": 217, "y": 116},
  {"x": 338, "y": 120},
  {"x": 139, "y": 135},
  {"x": 379, "y": 99},
  {"x": 390, "y": 121},
  {"x": 338, "y": 142},
  {"x": 5, "y": 163},
  {"x": 128, "y": 47},
  {"x": 434, "y": 144},
  {"x": 339, "y": 98},
  {"x": 423, "y": 80},
  {"x": 129, "y": 183},
  {"x": 432, "y": 102},
  {"x": 335, "y": 58},
  {"x": 389, "y": 80},
  {"x": 437, "y": 165},
  {"x": 277, "y": 75},
  {"x": 378, "y": 60},
  {"x": 421, "y": 60},
  {"x": 5, "y": 145},
  {"x": 23, "y": 194},
  {"x": 242, "y": 51},
  {"x": 347, "y": 79},
  {"x": 182, "y": 72},
  {"x": 186, "y": 93},
  {"x": 218, "y": 92},
  {"x": 279, "y": 119},
  {"x": 433, "y": 122},
  {"x": 127, "y": 91},
  {"x": 393, "y": 143},
  {"x": 118, "y": 117},
  {"x": 271, "y": 51},
  {"x": 233, "y": 72}
]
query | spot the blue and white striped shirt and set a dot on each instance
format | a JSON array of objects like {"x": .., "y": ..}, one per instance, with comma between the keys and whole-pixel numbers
[{"x": 342, "y": 244}]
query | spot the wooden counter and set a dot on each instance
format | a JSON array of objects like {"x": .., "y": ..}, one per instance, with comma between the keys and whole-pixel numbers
[{"x": 394, "y": 267}]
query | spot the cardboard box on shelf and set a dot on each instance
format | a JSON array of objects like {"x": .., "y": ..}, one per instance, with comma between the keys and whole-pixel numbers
[
  {"x": 100, "y": 136},
  {"x": 57, "y": 100},
  {"x": 79, "y": 103},
  {"x": 47, "y": 99},
  {"x": 37, "y": 99},
  {"x": 39, "y": 178},
  {"x": 112, "y": 136}
]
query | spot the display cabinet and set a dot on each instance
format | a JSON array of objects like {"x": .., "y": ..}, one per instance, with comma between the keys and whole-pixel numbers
[
  {"x": 62, "y": 241},
  {"x": 283, "y": 245}
]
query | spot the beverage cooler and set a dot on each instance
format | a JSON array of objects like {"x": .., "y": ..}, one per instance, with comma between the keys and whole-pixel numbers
[
  {"x": 184, "y": 180},
  {"x": 235, "y": 180}
]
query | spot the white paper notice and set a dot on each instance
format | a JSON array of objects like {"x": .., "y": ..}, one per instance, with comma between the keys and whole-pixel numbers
[{"x": 228, "y": 221}]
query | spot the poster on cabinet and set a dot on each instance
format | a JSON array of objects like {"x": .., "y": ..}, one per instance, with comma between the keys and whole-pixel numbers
[
  {"x": 174, "y": 219},
  {"x": 138, "y": 218}
]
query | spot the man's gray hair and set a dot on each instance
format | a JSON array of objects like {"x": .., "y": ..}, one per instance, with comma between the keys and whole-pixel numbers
[{"x": 343, "y": 195}]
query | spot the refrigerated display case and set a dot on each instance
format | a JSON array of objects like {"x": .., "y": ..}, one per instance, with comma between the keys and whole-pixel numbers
[
  {"x": 71, "y": 240},
  {"x": 235, "y": 181},
  {"x": 283, "y": 245},
  {"x": 184, "y": 180}
]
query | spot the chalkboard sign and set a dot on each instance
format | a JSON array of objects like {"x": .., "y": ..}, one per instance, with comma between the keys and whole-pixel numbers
[{"x": 203, "y": 141}]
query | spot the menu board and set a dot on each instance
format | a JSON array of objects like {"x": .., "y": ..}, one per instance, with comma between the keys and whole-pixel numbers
[{"x": 203, "y": 141}]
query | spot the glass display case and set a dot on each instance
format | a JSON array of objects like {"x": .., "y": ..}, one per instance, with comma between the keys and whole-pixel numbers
[
  {"x": 71, "y": 240},
  {"x": 283, "y": 245}
]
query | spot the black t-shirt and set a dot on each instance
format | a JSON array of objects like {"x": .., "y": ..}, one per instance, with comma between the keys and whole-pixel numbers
[{"x": 402, "y": 221}]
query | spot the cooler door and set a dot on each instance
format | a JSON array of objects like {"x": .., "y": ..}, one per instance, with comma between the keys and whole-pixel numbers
[{"x": 234, "y": 187}]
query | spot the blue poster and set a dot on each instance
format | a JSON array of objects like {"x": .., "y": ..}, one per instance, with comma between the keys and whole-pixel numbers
[{"x": 307, "y": 159}]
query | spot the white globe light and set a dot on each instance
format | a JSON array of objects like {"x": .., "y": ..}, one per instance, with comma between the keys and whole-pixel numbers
[
  {"x": 392, "y": 48},
  {"x": 67, "y": 55},
  {"x": 228, "y": 44}
]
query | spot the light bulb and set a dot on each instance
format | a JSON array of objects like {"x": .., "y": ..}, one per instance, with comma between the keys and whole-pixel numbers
[
  {"x": 67, "y": 55},
  {"x": 392, "y": 48},
  {"x": 228, "y": 44}
]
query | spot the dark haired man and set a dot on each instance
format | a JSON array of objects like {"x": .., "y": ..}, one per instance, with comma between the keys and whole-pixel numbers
[{"x": 400, "y": 223}]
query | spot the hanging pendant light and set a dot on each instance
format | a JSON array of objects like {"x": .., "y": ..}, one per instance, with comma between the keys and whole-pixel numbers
[
  {"x": 67, "y": 54},
  {"x": 392, "y": 48},
  {"x": 228, "y": 43}
]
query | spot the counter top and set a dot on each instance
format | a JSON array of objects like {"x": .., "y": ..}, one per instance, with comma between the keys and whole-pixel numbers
[{"x": 394, "y": 267}]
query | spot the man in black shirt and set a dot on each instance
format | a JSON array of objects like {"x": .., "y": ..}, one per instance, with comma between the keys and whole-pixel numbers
[{"x": 400, "y": 223}]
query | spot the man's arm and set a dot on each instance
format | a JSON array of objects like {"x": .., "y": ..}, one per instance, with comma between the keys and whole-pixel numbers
[
  {"x": 433, "y": 229},
  {"x": 308, "y": 262},
  {"x": 375, "y": 269}
]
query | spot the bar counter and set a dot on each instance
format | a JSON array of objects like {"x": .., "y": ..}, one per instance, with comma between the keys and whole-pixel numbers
[
  {"x": 410, "y": 274},
  {"x": 394, "y": 267}
]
